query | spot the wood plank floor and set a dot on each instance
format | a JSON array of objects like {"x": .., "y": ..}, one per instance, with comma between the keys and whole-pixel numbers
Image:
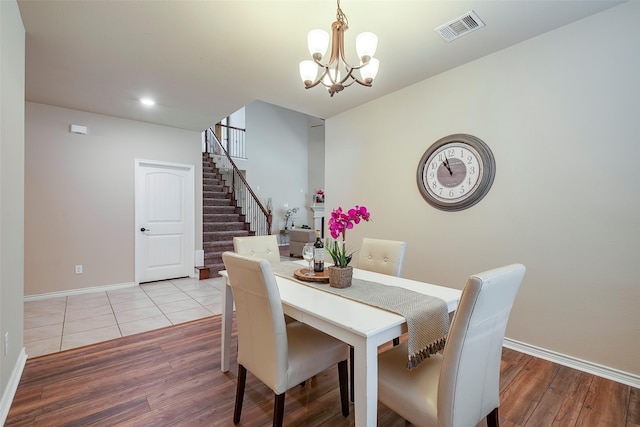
[{"x": 171, "y": 377}]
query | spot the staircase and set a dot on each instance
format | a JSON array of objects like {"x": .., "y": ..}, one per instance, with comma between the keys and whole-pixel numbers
[{"x": 221, "y": 218}]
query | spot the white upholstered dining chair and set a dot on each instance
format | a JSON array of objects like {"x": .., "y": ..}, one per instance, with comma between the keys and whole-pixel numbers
[
  {"x": 282, "y": 355},
  {"x": 461, "y": 386},
  {"x": 258, "y": 246},
  {"x": 382, "y": 256}
]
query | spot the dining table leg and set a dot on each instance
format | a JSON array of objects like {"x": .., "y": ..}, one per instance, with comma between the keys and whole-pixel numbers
[{"x": 366, "y": 382}]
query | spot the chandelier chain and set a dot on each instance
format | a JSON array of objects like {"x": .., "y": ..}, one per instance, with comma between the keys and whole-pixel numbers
[{"x": 340, "y": 16}]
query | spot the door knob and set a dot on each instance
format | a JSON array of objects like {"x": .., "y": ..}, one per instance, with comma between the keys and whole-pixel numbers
[{"x": 144, "y": 229}]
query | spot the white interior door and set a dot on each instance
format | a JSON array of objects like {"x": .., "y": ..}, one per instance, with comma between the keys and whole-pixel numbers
[{"x": 165, "y": 229}]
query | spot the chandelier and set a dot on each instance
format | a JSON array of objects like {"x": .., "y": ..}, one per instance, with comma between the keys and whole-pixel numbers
[{"x": 331, "y": 73}]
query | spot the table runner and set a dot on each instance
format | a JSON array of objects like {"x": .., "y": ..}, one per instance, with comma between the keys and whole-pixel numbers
[{"x": 427, "y": 317}]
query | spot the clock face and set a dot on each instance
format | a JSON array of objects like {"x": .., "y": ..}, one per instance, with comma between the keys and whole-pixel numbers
[{"x": 456, "y": 172}]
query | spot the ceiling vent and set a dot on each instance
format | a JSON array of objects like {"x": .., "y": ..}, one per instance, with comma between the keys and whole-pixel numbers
[{"x": 460, "y": 26}]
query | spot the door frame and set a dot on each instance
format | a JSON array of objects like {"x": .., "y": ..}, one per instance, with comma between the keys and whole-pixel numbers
[{"x": 190, "y": 211}]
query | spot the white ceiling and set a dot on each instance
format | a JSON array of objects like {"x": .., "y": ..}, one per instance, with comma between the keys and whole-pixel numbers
[{"x": 203, "y": 60}]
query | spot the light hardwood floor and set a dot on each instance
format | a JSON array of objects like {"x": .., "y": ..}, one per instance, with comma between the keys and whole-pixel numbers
[{"x": 172, "y": 377}]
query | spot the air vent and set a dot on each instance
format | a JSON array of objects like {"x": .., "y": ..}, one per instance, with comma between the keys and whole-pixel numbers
[{"x": 460, "y": 26}]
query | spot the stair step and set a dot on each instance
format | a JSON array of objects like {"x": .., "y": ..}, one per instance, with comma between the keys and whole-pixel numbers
[
  {"x": 212, "y": 176},
  {"x": 210, "y": 181},
  {"x": 217, "y": 236},
  {"x": 217, "y": 246},
  {"x": 218, "y": 187},
  {"x": 215, "y": 192},
  {"x": 212, "y": 210},
  {"x": 216, "y": 202},
  {"x": 214, "y": 258},
  {"x": 222, "y": 217},
  {"x": 215, "y": 188},
  {"x": 211, "y": 227}
]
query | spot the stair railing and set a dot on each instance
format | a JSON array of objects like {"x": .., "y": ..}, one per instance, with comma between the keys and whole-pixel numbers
[
  {"x": 258, "y": 217},
  {"x": 232, "y": 139}
]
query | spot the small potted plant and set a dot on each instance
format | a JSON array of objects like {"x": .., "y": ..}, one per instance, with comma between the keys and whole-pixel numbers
[
  {"x": 287, "y": 215},
  {"x": 341, "y": 273}
]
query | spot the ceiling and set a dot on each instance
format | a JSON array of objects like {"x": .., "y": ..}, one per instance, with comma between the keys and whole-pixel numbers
[{"x": 203, "y": 60}]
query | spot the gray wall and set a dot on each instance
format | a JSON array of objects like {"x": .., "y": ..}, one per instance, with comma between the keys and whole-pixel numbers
[
  {"x": 315, "y": 163},
  {"x": 12, "y": 42},
  {"x": 560, "y": 113},
  {"x": 277, "y": 152},
  {"x": 79, "y": 199}
]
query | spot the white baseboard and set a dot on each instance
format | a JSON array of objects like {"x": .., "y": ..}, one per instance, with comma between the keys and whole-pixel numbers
[
  {"x": 575, "y": 363},
  {"x": 79, "y": 291},
  {"x": 12, "y": 386}
]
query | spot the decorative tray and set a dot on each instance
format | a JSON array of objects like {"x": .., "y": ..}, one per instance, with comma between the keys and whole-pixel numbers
[{"x": 322, "y": 276}]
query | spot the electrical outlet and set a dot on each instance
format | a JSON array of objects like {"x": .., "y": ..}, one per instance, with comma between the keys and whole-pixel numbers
[
  {"x": 6, "y": 343},
  {"x": 79, "y": 269}
]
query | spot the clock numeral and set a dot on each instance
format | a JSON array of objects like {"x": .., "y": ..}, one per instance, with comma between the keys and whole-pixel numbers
[
  {"x": 431, "y": 175},
  {"x": 451, "y": 194},
  {"x": 472, "y": 170},
  {"x": 462, "y": 189},
  {"x": 469, "y": 159}
]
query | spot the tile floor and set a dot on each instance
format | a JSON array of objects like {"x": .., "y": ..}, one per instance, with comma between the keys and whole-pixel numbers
[{"x": 56, "y": 324}]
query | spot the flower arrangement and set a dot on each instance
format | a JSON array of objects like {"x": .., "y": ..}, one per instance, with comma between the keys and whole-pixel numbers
[
  {"x": 288, "y": 214},
  {"x": 339, "y": 223},
  {"x": 319, "y": 196}
]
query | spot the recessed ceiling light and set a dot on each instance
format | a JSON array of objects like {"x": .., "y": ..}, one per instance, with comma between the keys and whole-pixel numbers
[{"x": 147, "y": 101}]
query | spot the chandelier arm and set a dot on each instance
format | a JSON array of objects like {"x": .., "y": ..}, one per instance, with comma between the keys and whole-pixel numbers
[
  {"x": 353, "y": 76},
  {"x": 349, "y": 75},
  {"x": 361, "y": 82},
  {"x": 360, "y": 66},
  {"x": 319, "y": 79},
  {"x": 354, "y": 79}
]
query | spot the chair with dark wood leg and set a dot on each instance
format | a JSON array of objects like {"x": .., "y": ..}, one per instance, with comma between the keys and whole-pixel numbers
[
  {"x": 459, "y": 387},
  {"x": 282, "y": 355}
]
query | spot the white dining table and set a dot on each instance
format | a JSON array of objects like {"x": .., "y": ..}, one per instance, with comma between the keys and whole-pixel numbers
[{"x": 362, "y": 326}]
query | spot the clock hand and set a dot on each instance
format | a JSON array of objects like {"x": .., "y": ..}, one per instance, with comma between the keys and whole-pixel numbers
[{"x": 446, "y": 165}]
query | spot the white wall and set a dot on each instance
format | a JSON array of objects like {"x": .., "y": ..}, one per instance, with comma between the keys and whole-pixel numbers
[
  {"x": 560, "y": 113},
  {"x": 79, "y": 197},
  {"x": 277, "y": 151},
  {"x": 12, "y": 42}
]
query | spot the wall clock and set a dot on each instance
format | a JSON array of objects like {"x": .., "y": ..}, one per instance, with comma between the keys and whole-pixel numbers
[{"x": 456, "y": 172}]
